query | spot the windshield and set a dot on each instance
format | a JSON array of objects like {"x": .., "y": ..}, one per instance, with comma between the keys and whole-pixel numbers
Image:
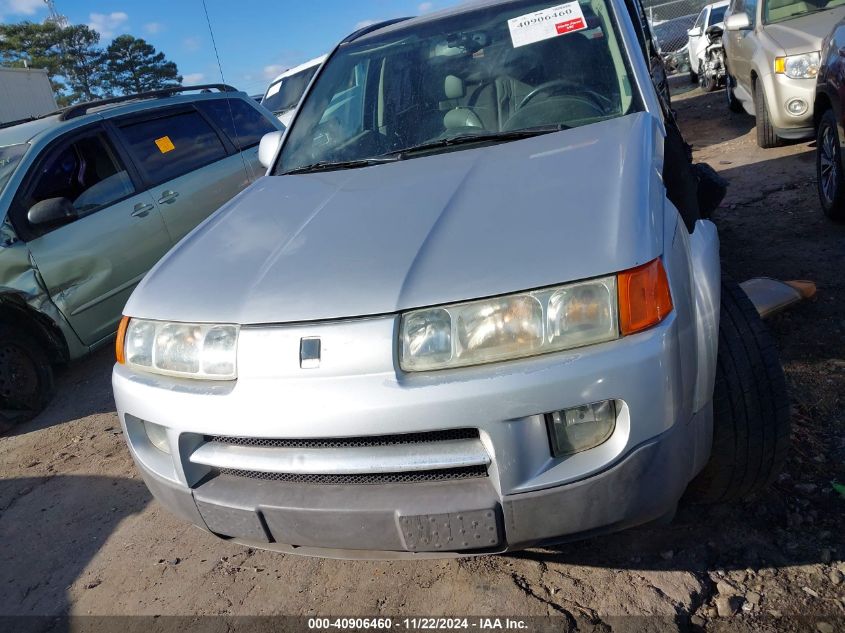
[
  {"x": 286, "y": 93},
  {"x": 10, "y": 156},
  {"x": 718, "y": 15},
  {"x": 780, "y": 10},
  {"x": 493, "y": 71}
]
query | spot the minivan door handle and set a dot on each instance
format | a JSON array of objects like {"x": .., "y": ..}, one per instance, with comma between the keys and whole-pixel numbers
[
  {"x": 168, "y": 197},
  {"x": 142, "y": 210}
]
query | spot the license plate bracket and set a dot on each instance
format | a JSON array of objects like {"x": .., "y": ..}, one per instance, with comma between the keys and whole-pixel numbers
[{"x": 452, "y": 531}]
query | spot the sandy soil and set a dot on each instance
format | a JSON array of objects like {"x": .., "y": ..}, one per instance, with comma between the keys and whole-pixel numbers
[{"x": 80, "y": 534}]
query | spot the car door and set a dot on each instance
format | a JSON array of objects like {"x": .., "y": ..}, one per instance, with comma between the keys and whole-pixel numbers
[
  {"x": 696, "y": 37},
  {"x": 91, "y": 261},
  {"x": 742, "y": 46},
  {"x": 187, "y": 164}
]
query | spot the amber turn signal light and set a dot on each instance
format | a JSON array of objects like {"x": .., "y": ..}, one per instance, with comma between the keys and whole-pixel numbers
[
  {"x": 644, "y": 297},
  {"x": 119, "y": 344}
]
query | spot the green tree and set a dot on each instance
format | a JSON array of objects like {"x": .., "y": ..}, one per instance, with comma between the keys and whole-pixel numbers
[
  {"x": 81, "y": 61},
  {"x": 132, "y": 65},
  {"x": 33, "y": 45}
]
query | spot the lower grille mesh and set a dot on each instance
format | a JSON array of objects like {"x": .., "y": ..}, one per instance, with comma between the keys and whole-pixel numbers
[
  {"x": 351, "y": 442},
  {"x": 447, "y": 474}
]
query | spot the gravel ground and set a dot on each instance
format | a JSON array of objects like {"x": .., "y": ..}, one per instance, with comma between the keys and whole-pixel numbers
[{"x": 80, "y": 533}]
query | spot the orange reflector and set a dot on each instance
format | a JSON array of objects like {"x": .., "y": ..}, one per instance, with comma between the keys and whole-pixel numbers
[
  {"x": 780, "y": 65},
  {"x": 644, "y": 297},
  {"x": 119, "y": 344}
]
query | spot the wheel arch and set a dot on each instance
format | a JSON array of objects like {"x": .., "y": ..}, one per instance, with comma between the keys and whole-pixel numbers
[
  {"x": 15, "y": 311},
  {"x": 822, "y": 104}
]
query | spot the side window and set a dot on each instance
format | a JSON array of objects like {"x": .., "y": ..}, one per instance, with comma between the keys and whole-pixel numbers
[
  {"x": 699, "y": 23},
  {"x": 243, "y": 124},
  {"x": 751, "y": 11},
  {"x": 344, "y": 111},
  {"x": 86, "y": 172},
  {"x": 643, "y": 29},
  {"x": 171, "y": 146}
]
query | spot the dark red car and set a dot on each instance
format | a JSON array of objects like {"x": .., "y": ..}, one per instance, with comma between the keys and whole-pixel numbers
[{"x": 830, "y": 124}]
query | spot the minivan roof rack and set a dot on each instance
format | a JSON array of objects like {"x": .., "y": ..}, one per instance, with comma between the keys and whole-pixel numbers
[
  {"x": 372, "y": 27},
  {"x": 82, "y": 108}
]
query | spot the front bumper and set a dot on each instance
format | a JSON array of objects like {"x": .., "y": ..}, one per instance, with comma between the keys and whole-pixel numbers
[
  {"x": 780, "y": 90},
  {"x": 524, "y": 495},
  {"x": 372, "y": 521}
]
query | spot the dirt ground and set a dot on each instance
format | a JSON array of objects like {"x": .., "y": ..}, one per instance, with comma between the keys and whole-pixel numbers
[{"x": 80, "y": 534}]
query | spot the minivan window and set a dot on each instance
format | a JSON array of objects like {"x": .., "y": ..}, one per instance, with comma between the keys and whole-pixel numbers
[
  {"x": 780, "y": 10},
  {"x": 86, "y": 172},
  {"x": 499, "y": 70},
  {"x": 171, "y": 146},
  {"x": 285, "y": 94},
  {"x": 10, "y": 156},
  {"x": 243, "y": 124}
]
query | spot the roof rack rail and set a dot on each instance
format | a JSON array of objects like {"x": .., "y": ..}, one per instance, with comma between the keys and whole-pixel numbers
[
  {"x": 82, "y": 108},
  {"x": 3, "y": 126},
  {"x": 372, "y": 27}
]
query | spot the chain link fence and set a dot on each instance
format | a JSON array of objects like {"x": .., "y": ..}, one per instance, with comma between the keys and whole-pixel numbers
[{"x": 670, "y": 22}]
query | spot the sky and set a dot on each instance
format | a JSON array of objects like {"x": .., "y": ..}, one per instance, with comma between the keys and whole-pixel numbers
[{"x": 256, "y": 39}]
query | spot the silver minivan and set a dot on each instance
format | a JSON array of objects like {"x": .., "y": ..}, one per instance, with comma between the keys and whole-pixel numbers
[
  {"x": 475, "y": 306},
  {"x": 90, "y": 199}
]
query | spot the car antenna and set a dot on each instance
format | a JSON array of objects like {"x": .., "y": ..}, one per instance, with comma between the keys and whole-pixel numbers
[{"x": 236, "y": 140}]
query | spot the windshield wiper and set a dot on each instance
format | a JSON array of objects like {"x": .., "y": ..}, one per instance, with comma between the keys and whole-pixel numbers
[
  {"x": 328, "y": 165},
  {"x": 461, "y": 139},
  {"x": 488, "y": 137}
]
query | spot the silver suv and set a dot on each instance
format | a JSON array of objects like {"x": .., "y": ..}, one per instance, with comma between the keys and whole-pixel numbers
[
  {"x": 773, "y": 57},
  {"x": 90, "y": 198},
  {"x": 474, "y": 306}
]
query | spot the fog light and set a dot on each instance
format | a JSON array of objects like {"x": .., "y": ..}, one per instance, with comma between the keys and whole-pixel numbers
[
  {"x": 158, "y": 436},
  {"x": 581, "y": 428},
  {"x": 796, "y": 107}
]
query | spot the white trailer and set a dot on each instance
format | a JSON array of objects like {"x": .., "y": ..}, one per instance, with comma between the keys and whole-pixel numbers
[{"x": 25, "y": 93}]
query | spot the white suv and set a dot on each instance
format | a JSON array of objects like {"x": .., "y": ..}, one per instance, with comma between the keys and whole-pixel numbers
[{"x": 711, "y": 15}]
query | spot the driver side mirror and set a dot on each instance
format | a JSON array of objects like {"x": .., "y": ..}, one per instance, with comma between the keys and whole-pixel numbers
[
  {"x": 694, "y": 31},
  {"x": 737, "y": 22},
  {"x": 268, "y": 147},
  {"x": 51, "y": 211}
]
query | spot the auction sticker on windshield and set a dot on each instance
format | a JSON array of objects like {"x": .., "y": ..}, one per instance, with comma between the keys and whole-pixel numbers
[{"x": 546, "y": 24}]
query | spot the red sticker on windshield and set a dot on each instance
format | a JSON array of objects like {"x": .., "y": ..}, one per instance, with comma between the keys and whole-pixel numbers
[{"x": 570, "y": 25}]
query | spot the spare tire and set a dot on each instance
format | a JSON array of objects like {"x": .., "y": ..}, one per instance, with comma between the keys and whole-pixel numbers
[{"x": 751, "y": 423}]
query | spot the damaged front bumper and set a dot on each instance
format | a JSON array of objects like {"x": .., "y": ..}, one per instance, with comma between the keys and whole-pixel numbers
[{"x": 385, "y": 464}]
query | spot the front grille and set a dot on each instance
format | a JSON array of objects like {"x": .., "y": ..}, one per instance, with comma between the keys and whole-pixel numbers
[
  {"x": 351, "y": 442},
  {"x": 409, "y": 477}
]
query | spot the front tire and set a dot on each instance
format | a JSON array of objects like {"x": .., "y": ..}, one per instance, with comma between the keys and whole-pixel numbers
[
  {"x": 750, "y": 406},
  {"x": 766, "y": 137},
  {"x": 26, "y": 377},
  {"x": 707, "y": 82},
  {"x": 829, "y": 168}
]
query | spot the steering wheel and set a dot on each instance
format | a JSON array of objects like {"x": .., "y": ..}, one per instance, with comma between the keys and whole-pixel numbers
[{"x": 561, "y": 85}]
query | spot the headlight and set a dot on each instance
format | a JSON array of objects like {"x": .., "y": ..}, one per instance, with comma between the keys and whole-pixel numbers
[
  {"x": 535, "y": 322},
  {"x": 187, "y": 350},
  {"x": 509, "y": 327},
  {"x": 804, "y": 66}
]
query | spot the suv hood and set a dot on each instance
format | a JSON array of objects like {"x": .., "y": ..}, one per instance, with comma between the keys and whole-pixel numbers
[
  {"x": 805, "y": 34},
  {"x": 450, "y": 227}
]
